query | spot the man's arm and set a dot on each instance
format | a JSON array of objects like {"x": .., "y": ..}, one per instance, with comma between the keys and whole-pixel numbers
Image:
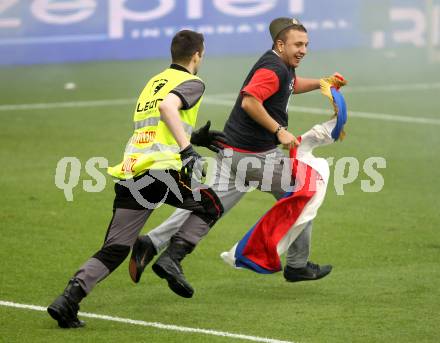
[
  {"x": 257, "y": 112},
  {"x": 303, "y": 85},
  {"x": 169, "y": 113}
]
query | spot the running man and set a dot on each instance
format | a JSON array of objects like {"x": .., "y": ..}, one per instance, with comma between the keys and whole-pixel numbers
[{"x": 151, "y": 173}]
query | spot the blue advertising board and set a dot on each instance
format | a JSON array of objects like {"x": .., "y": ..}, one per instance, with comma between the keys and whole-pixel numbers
[{"x": 57, "y": 31}]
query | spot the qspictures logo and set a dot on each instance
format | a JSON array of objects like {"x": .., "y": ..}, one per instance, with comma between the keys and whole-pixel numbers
[{"x": 345, "y": 171}]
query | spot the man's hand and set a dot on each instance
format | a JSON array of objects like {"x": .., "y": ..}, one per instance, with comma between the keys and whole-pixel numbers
[
  {"x": 210, "y": 139},
  {"x": 190, "y": 160},
  {"x": 286, "y": 138},
  {"x": 336, "y": 80},
  {"x": 326, "y": 87}
]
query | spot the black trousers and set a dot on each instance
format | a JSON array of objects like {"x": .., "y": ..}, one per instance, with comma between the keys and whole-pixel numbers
[{"x": 167, "y": 186}]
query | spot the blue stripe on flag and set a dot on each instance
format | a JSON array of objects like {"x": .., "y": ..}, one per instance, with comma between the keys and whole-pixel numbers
[{"x": 338, "y": 98}]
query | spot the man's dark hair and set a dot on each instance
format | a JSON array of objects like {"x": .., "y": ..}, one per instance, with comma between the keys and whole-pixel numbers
[{"x": 185, "y": 44}]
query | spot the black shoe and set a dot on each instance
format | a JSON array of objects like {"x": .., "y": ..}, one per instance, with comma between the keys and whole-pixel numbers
[
  {"x": 142, "y": 254},
  {"x": 65, "y": 308},
  {"x": 168, "y": 267},
  {"x": 308, "y": 273},
  {"x": 171, "y": 270}
]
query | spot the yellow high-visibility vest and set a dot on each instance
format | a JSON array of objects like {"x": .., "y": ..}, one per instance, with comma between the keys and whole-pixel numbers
[{"x": 152, "y": 146}]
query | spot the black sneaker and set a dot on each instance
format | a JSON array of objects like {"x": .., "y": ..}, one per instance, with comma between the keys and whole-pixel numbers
[
  {"x": 171, "y": 270},
  {"x": 310, "y": 272},
  {"x": 142, "y": 254},
  {"x": 65, "y": 308}
]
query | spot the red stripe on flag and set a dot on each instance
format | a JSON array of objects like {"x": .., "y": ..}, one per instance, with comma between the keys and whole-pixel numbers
[
  {"x": 293, "y": 152},
  {"x": 261, "y": 247}
]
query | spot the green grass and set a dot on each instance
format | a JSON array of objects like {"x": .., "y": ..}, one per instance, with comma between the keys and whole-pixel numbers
[{"x": 385, "y": 246}]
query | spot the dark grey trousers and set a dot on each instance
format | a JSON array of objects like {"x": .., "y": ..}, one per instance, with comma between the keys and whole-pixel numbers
[{"x": 129, "y": 217}]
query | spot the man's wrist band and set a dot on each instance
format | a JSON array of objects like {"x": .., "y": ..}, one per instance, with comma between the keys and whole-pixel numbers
[{"x": 278, "y": 129}]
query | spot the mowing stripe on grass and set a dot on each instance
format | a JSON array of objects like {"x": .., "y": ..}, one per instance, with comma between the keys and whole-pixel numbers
[
  {"x": 153, "y": 324},
  {"x": 217, "y": 100}
]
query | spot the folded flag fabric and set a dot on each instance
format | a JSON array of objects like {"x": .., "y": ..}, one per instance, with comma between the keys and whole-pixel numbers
[{"x": 260, "y": 248}]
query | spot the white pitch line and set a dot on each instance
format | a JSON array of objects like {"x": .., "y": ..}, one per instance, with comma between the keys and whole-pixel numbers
[
  {"x": 216, "y": 100},
  {"x": 369, "y": 115},
  {"x": 153, "y": 324},
  {"x": 355, "y": 114},
  {"x": 71, "y": 104}
]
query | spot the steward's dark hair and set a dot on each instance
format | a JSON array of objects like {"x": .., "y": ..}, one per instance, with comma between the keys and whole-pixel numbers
[{"x": 185, "y": 44}]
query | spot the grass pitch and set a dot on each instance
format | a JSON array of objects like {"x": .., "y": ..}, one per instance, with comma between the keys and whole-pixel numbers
[{"x": 385, "y": 247}]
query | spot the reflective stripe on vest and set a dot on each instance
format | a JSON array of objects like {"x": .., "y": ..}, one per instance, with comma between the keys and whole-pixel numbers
[
  {"x": 154, "y": 121},
  {"x": 152, "y": 146}
]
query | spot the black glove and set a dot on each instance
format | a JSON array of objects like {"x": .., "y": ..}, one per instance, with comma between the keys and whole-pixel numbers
[
  {"x": 189, "y": 158},
  {"x": 210, "y": 139}
]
